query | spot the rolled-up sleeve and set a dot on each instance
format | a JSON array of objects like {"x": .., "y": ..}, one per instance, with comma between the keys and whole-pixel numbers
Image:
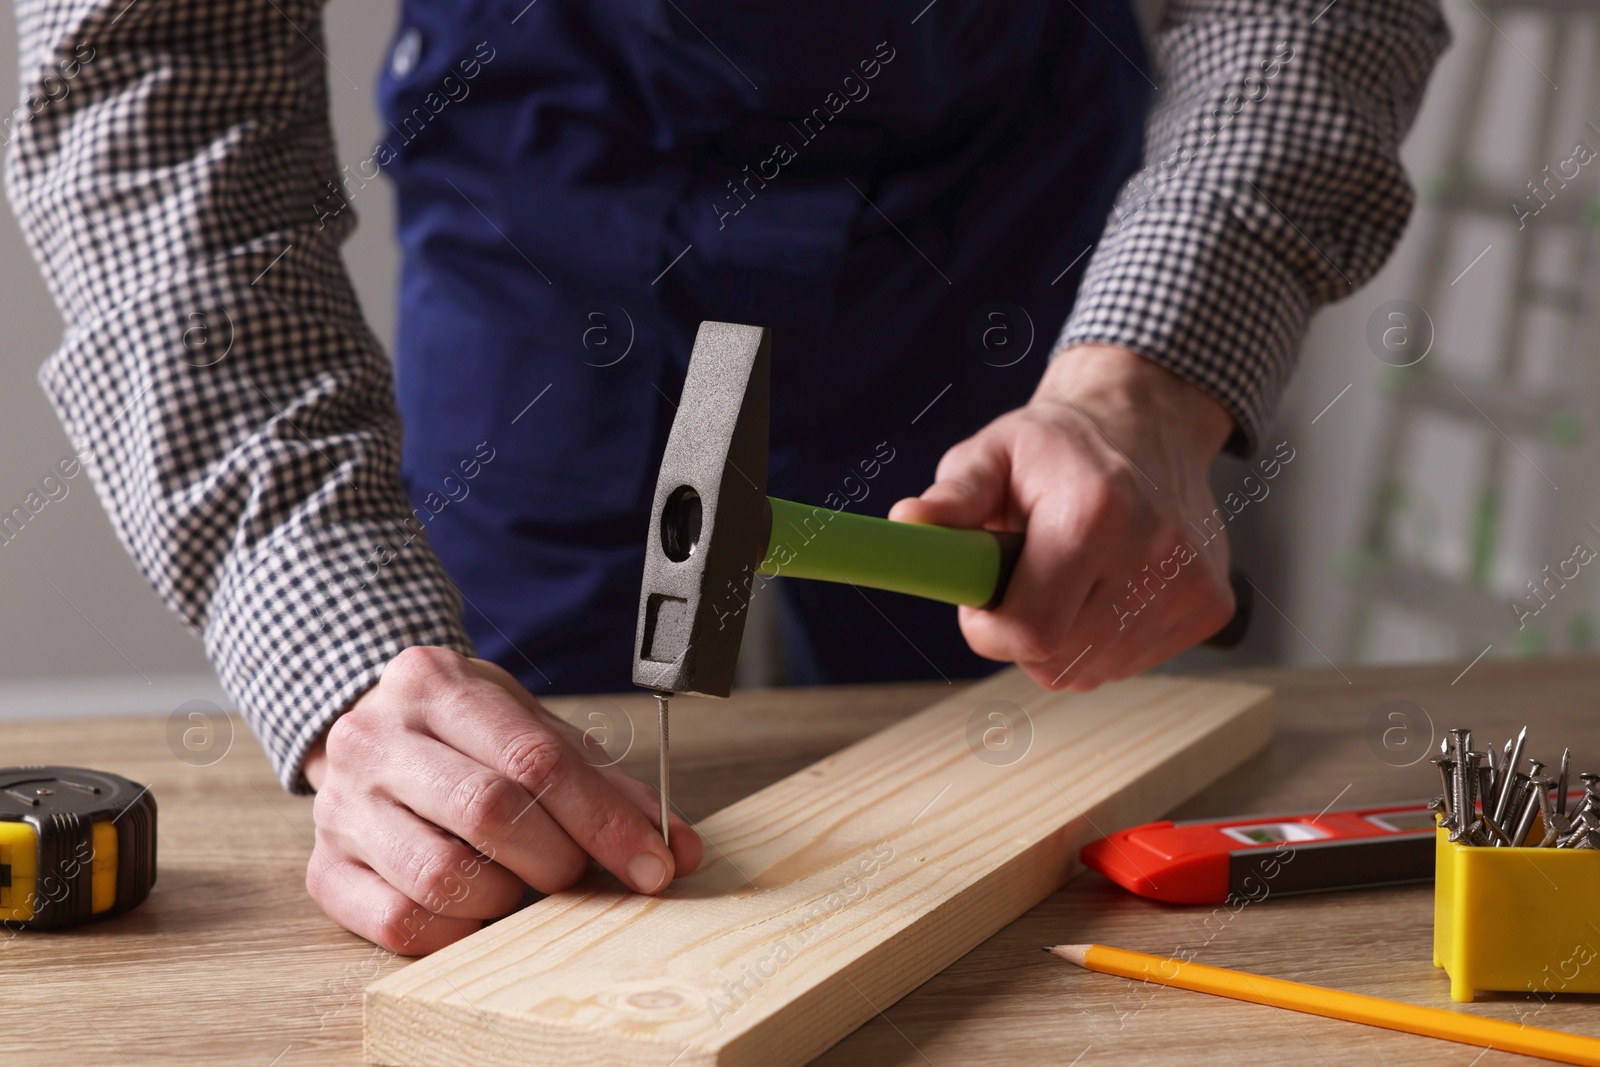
[
  {"x": 169, "y": 163},
  {"x": 1271, "y": 185}
]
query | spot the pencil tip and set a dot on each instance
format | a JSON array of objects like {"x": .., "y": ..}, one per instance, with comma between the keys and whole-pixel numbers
[
  {"x": 1047, "y": 948},
  {"x": 1078, "y": 954}
]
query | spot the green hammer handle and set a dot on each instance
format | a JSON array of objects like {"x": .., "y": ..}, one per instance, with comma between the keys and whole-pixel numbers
[
  {"x": 970, "y": 567},
  {"x": 934, "y": 562}
]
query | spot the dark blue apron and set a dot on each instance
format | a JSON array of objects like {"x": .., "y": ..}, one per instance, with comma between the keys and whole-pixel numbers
[{"x": 905, "y": 203}]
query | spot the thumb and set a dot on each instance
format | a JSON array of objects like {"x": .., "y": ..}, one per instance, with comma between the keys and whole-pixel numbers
[{"x": 970, "y": 489}]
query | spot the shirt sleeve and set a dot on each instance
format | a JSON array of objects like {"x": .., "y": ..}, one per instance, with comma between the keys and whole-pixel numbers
[
  {"x": 1271, "y": 185},
  {"x": 170, "y": 164}
]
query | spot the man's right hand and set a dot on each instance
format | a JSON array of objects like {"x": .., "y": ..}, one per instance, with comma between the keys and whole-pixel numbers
[{"x": 446, "y": 788}]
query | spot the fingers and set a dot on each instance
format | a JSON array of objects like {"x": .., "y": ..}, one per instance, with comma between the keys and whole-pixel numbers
[
  {"x": 1162, "y": 613},
  {"x": 482, "y": 807},
  {"x": 969, "y": 490},
  {"x": 487, "y": 724},
  {"x": 1209, "y": 610},
  {"x": 687, "y": 848},
  {"x": 445, "y": 790},
  {"x": 358, "y": 899},
  {"x": 415, "y": 857},
  {"x": 1075, "y": 543}
]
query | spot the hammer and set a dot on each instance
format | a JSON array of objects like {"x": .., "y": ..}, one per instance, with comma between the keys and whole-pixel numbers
[{"x": 713, "y": 529}]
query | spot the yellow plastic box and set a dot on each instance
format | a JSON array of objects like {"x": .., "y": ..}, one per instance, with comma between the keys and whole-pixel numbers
[{"x": 1523, "y": 920}]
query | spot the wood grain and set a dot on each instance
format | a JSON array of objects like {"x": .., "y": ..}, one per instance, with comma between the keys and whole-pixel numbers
[
  {"x": 230, "y": 964},
  {"x": 826, "y": 896}
]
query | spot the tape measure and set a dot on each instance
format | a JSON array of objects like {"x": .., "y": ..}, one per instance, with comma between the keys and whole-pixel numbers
[
  {"x": 75, "y": 845},
  {"x": 1208, "y": 860}
]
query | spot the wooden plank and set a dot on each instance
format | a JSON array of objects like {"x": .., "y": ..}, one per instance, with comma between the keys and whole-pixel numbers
[{"x": 828, "y": 895}]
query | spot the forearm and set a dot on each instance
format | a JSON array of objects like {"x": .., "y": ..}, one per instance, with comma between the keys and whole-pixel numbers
[
  {"x": 1271, "y": 185},
  {"x": 216, "y": 375}
]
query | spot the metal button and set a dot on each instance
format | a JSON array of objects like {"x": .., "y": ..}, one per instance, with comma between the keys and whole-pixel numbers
[{"x": 407, "y": 50}]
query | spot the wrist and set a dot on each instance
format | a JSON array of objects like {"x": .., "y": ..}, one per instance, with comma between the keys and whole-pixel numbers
[
  {"x": 1123, "y": 384},
  {"x": 315, "y": 766}
]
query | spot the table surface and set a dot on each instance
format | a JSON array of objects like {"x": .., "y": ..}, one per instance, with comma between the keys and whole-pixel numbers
[{"x": 229, "y": 962}]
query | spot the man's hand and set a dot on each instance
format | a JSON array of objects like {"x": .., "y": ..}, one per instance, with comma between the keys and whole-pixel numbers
[
  {"x": 1105, "y": 470},
  {"x": 445, "y": 788}
]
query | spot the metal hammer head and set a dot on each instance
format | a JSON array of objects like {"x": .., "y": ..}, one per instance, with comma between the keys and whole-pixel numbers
[{"x": 710, "y": 521}]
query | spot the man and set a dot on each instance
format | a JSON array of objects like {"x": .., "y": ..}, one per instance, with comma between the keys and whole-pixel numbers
[{"x": 905, "y": 196}]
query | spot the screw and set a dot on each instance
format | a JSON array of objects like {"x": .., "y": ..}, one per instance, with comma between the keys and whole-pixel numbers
[
  {"x": 1554, "y": 825},
  {"x": 1446, "y": 765},
  {"x": 1580, "y": 826},
  {"x": 1465, "y": 775}
]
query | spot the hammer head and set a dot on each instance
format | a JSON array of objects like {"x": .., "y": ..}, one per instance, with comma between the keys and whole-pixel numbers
[{"x": 710, "y": 521}]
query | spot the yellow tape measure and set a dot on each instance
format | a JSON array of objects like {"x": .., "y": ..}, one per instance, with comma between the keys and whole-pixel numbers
[{"x": 75, "y": 845}]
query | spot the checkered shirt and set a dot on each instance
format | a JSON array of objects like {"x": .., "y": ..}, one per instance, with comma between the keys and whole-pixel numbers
[{"x": 237, "y": 415}]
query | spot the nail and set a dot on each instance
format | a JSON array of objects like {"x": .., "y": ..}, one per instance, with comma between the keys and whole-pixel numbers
[
  {"x": 647, "y": 873},
  {"x": 1512, "y": 759},
  {"x": 1530, "y": 808},
  {"x": 1561, "y": 782}
]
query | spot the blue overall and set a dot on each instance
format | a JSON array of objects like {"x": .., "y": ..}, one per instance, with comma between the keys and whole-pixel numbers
[{"x": 906, "y": 202}]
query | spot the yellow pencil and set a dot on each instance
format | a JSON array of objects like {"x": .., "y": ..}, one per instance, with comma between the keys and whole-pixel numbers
[{"x": 1335, "y": 1003}]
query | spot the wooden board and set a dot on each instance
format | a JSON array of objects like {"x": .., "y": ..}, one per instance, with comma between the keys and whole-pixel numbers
[{"x": 828, "y": 895}]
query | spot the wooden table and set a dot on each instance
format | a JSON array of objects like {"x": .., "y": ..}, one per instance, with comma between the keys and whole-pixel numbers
[{"x": 229, "y": 962}]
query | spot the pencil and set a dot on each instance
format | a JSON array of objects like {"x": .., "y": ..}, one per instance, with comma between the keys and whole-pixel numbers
[{"x": 1335, "y": 1003}]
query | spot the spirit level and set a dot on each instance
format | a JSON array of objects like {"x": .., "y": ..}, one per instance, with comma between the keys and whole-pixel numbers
[
  {"x": 75, "y": 845},
  {"x": 1208, "y": 861}
]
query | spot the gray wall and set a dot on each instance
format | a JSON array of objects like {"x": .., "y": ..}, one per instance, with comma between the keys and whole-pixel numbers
[{"x": 104, "y": 620}]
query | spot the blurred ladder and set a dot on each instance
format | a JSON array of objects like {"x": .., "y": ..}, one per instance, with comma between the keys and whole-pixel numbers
[{"x": 1509, "y": 418}]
